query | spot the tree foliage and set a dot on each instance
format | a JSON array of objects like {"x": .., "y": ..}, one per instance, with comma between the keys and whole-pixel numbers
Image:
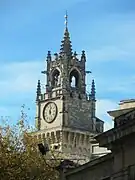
[{"x": 19, "y": 156}]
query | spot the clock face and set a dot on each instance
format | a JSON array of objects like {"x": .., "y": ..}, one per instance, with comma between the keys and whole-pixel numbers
[{"x": 50, "y": 112}]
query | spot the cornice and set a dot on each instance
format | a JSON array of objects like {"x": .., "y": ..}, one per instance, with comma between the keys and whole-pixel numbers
[{"x": 121, "y": 130}]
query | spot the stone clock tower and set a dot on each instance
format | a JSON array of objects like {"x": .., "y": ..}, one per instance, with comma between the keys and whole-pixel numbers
[{"x": 65, "y": 114}]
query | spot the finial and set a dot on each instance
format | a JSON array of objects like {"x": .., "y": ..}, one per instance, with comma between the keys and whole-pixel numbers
[
  {"x": 66, "y": 47},
  {"x": 93, "y": 90},
  {"x": 38, "y": 90},
  {"x": 56, "y": 56},
  {"x": 49, "y": 56},
  {"x": 75, "y": 54},
  {"x": 83, "y": 57},
  {"x": 66, "y": 19}
]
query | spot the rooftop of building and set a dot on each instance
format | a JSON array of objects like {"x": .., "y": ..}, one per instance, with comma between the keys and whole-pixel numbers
[
  {"x": 92, "y": 163},
  {"x": 126, "y": 101},
  {"x": 119, "y": 131},
  {"x": 119, "y": 112}
]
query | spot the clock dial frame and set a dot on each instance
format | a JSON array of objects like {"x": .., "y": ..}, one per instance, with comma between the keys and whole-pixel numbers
[{"x": 50, "y": 112}]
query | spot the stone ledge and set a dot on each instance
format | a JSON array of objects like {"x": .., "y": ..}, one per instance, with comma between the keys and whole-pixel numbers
[
  {"x": 92, "y": 163},
  {"x": 116, "y": 133}
]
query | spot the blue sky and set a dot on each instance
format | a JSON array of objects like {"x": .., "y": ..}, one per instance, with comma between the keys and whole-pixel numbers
[{"x": 105, "y": 29}]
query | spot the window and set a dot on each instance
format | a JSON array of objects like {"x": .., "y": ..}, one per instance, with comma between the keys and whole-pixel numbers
[{"x": 74, "y": 78}]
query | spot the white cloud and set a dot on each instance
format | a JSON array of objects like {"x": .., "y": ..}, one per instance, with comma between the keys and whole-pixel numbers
[
  {"x": 104, "y": 105},
  {"x": 107, "y": 53},
  {"x": 122, "y": 84},
  {"x": 18, "y": 83},
  {"x": 112, "y": 38},
  {"x": 20, "y": 76}
]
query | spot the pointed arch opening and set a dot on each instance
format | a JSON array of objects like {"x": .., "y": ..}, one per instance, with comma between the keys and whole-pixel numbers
[
  {"x": 56, "y": 78},
  {"x": 74, "y": 78}
]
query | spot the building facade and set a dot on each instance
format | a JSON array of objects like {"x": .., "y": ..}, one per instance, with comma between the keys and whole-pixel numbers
[
  {"x": 65, "y": 113},
  {"x": 120, "y": 163}
]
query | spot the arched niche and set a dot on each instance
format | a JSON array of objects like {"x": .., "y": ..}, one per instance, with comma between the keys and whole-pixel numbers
[
  {"x": 55, "y": 78},
  {"x": 48, "y": 138},
  {"x": 52, "y": 137},
  {"x": 74, "y": 78}
]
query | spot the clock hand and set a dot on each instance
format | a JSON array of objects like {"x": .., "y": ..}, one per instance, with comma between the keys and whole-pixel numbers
[{"x": 50, "y": 110}]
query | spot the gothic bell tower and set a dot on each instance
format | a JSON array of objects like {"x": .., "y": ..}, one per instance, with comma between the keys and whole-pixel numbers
[{"x": 65, "y": 114}]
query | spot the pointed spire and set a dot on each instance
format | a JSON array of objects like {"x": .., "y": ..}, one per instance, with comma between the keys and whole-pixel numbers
[
  {"x": 93, "y": 90},
  {"x": 49, "y": 56},
  {"x": 38, "y": 90},
  {"x": 75, "y": 55},
  {"x": 66, "y": 20},
  {"x": 56, "y": 56},
  {"x": 66, "y": 47},
  {"x": 83, "y": 57}
]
